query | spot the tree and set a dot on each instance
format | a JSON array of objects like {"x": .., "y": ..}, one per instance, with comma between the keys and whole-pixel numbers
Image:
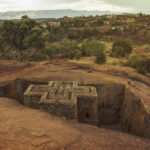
[
  {"x": 35, "y": 37},
  {"x": 121, "y": 48},
  {"x": 69, "y": 49},
  {"x": 52, "y": 50},
  {"x": 92, "y": 48},
  {"x": 21, "y": 33}
]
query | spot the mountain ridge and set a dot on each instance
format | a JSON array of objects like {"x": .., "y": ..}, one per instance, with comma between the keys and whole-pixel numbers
[{"x": 58, "y": 13}]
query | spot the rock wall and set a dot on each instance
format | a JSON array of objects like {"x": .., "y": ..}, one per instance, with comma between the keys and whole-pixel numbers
[
  {"x": 87, "y": 110},
  {"x": 135, "y": 118},
  {"x": 110, "y": 98},
  {"x": 15, "y": 89},
  {"x": 4, "y": 89},
  {"x": 60, "y": 109}
]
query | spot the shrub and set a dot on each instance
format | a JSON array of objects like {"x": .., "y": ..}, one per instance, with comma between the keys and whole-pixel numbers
[
  {"x": 51, "y": 50},
  {"x": 65, "y": 49},
  {"x": 73, "y": 35},
  {"x": 51, "y": 37},
  {"x": 141, "y": 70},
  {"x": 37, "y": 57},
  {"x": 121, "y": 48},
  {"x": 78, "y": 55},
  {"x": 147, "y": 64},
  {"x": 133, "y": 61},
  {"x": 147, "y": 49},
  {"x": 100, "y": 58},
  {"x": 118, "y": 51},
  {"x": 138, "y": 63}
]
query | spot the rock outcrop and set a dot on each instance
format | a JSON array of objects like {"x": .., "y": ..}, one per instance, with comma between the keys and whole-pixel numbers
[{"x": 135, "y": 115}]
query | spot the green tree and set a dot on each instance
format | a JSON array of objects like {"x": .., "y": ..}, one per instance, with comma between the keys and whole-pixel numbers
[
  {"x": 69, "y": 48},
  {"x": 121, "y": 48},
  {"x": 92, "y": 48},
  {"x": 21, "y": 33},
  {"x": 52, "y": 50}
]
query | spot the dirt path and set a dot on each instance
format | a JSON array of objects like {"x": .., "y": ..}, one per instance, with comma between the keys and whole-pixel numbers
[
  {"x": 11, "y": 74},
  {"x": 22, "y": 128}
]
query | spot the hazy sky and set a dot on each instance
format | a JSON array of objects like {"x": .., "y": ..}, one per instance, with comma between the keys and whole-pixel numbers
[{"x": 111, "y": 5}]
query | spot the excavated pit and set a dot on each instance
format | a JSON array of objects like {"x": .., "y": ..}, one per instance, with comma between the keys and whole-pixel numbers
[{"x": 113, "y": 104}]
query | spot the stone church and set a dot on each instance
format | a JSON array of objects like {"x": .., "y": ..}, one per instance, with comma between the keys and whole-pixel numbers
[{"x": 65, "y": 99}]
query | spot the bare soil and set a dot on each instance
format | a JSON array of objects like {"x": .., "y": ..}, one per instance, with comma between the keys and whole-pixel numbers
[{"x": 22, "y": 128}]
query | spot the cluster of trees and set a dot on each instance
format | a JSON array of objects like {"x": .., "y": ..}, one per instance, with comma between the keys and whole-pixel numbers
[
  {"x": 89, "y": 21},
  {"x": 123, "y": 48},
  {"x": 83, "y": 33},
  {"x": 27, "y": 33},
  {"x": 76, "y": 22},
  {"x": 71, "y": 49},
  {"x": 59, "y": 33},
  {"x": 79, "y": 28},
  {"x": 21, "y": 34},
  {"x": 64, "y": 49}
]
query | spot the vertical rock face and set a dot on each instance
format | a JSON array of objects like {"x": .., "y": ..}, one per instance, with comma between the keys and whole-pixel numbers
[
  {"x": 110, "y": 98},
  {"x": 87, "y": 110},
  {"x": 135, "y": 118},
  {"x": 4, "y": 89},
  {"x": 18, "y": 87}
]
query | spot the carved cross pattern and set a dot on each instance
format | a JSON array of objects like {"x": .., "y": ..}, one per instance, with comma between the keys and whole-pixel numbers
[{"x": 58, "y": 91}]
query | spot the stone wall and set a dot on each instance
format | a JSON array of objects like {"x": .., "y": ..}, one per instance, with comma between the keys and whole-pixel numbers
[{"x": 64, "y": 110}]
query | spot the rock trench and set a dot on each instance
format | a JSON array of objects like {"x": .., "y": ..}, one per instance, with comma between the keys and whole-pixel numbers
[{"x": 115, "y": 104}]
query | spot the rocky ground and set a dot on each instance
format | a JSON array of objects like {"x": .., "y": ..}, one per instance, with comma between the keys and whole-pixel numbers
[{"x": 22, "y": 128}]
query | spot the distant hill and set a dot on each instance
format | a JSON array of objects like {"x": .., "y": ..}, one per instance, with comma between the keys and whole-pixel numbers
[{"x": 50, "y": 13}]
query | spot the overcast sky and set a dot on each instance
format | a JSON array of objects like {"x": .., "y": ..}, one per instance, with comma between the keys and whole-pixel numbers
[{"x": 102, "y": 5}]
